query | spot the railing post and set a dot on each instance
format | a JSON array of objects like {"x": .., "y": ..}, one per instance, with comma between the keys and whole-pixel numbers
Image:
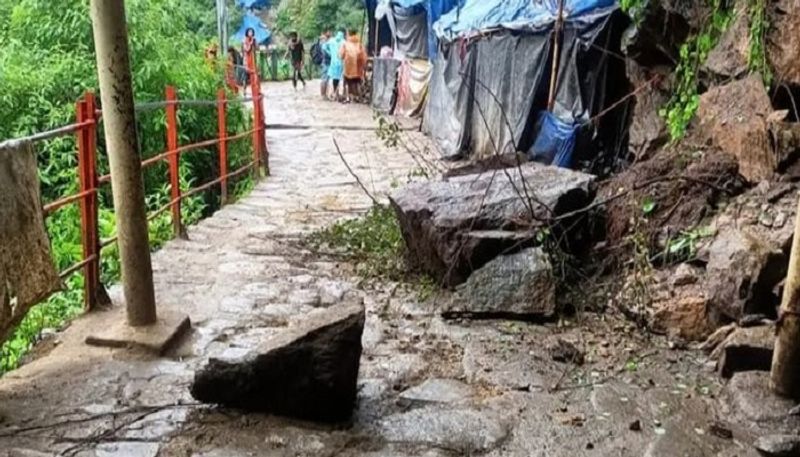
[
  {"x": 258, "y": 123},
  {"x": 87, "y": 176},
  {"x": 222, "y": 146},
  {"x": 174, "y": 159}
]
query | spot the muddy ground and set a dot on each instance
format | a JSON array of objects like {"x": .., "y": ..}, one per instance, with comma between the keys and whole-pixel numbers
[{"x": 427, "y": 387}]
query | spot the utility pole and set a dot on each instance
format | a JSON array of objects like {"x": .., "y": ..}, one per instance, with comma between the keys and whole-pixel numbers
[
  {"x": 116, "y": 92},
  {"x": 222, "y": 25},
  {"x": 785, "y": 376}
]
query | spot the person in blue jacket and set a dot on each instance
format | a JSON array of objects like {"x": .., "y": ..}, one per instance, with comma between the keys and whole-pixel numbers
[{"x": 336, "y": 68}]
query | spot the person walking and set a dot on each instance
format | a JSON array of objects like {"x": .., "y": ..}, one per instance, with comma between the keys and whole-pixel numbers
[
  {"x": 321, "y": 58},
  {"x": 297, "y": 51},
  {"x": 355, "y": 62},
  {"x": 336, "y": 68}
]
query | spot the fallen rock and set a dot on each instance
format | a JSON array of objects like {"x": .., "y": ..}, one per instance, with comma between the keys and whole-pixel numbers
[
  {"x": 783, "y": 40},
  {"x": 564, "y": 351},
  {"x": 734, "y": 118},
  {"x": 729, "y": 57},
  {"x": 717, "y": 338},
  {"x": 307, "y": 372},
  {"x": 682, "y": 317},
  {"x": 742, "y": 272},
  {"x": 437, "y": 391},
  {"x": 647, "y": 131},
  {"x": 660, "y": 29},
  {"x": 463, "y": 431},
  {"x": 751, "y": 399},
  {"x": 746, "y": 349},
  {"x": 778, "y": 445},
  {"x": 436, "y": 217},
  {"x": 517, "y": 284}
]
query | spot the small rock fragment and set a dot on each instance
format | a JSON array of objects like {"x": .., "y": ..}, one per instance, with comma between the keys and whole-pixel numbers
[
  {"x": 720, "y": 430},
  {"x": 635, "y": 426},
  {"x": 778, "y": 445},
  {"x": 564, "y": 351}
]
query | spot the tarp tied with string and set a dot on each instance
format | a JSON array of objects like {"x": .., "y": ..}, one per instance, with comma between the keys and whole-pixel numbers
[{"x": 491, "y": 82}]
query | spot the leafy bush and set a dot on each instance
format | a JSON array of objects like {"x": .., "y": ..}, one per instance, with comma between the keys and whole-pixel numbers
[
  {"x": 373, "y": 242},
  {"x": 47, "y": 62},
  {"x": 681, "y": 108}
]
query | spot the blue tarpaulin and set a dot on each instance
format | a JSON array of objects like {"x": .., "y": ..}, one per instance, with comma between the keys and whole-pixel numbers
[
  {"x": 251, "y": 21},
  {"x": 253, "y": 4},
  {"x": 527, "y": 15},
  {"x": 555, "y": 141}
]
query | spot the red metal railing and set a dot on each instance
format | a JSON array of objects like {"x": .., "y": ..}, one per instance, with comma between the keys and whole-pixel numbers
[{"x": 88, "y": 118}]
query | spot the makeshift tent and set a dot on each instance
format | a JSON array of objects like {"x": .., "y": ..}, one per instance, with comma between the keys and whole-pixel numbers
[
  {"x": 411, "y": 23},
  {"x": 493, "y": 76},
  {"x": 253, "y": 4},
  {"x": 251, "y": 21}
]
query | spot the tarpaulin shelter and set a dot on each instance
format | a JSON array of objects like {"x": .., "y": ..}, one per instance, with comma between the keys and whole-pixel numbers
[
  {"x": 406, "y": 79},
  {"x": 491, "y": 80},
  {"x": 250, "y": 20}
]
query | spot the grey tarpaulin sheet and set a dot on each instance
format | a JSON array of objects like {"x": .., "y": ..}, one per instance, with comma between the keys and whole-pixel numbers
[
  {"x": 384, "y": 82},
  {"x": 509, "y": 70},
  {"x": 449, "y": 107},
  {"x": 412, "y": 35},
  {"x": 27, "y": 273}
]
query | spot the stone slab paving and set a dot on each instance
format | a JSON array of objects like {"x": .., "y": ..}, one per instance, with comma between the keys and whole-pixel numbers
[{"x": 427, "y": 387}]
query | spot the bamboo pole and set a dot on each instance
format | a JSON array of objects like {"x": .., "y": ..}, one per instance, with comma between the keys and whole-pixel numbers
[
  {"x": 785, "y": 375},
  {"x": 551, "y": 98},
  {"x": 116, "y": 92}
]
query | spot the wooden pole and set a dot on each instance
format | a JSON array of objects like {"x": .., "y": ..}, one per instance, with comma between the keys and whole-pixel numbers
[
  {"x": 551, "y": 99},
  {"x": 116, "y": 92},
  {"x": 174, "y": 159},
  {"x": 785, "y": 375}
]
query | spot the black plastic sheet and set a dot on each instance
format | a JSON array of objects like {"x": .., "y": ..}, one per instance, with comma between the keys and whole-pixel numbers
[{"x": 510, "y": 75}]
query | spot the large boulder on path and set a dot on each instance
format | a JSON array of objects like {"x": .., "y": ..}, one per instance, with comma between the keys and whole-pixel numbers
[
  {"x": 783, "y": 40},
  {"x": 308, "y": 372},
  {"x": 734, "y": 117},
  {"x": 520, "y": 284},
  {"x": 456, "y": 226}
]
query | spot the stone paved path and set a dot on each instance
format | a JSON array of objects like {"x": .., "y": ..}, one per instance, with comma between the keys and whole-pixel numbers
[{"x": 427, "y": 387}]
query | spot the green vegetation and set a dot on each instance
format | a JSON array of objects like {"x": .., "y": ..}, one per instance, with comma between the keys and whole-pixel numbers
[
  {"x": 47, "y": 63},
  {"x": 757, "y": 54},
  {"x": 310, "y": 18},
  {"x": 681, "y": 108},
  {"x": 373, "y": 243}
]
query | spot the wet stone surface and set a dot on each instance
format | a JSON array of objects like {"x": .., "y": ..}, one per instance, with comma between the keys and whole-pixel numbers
[{"x": 427, "y": 387}]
